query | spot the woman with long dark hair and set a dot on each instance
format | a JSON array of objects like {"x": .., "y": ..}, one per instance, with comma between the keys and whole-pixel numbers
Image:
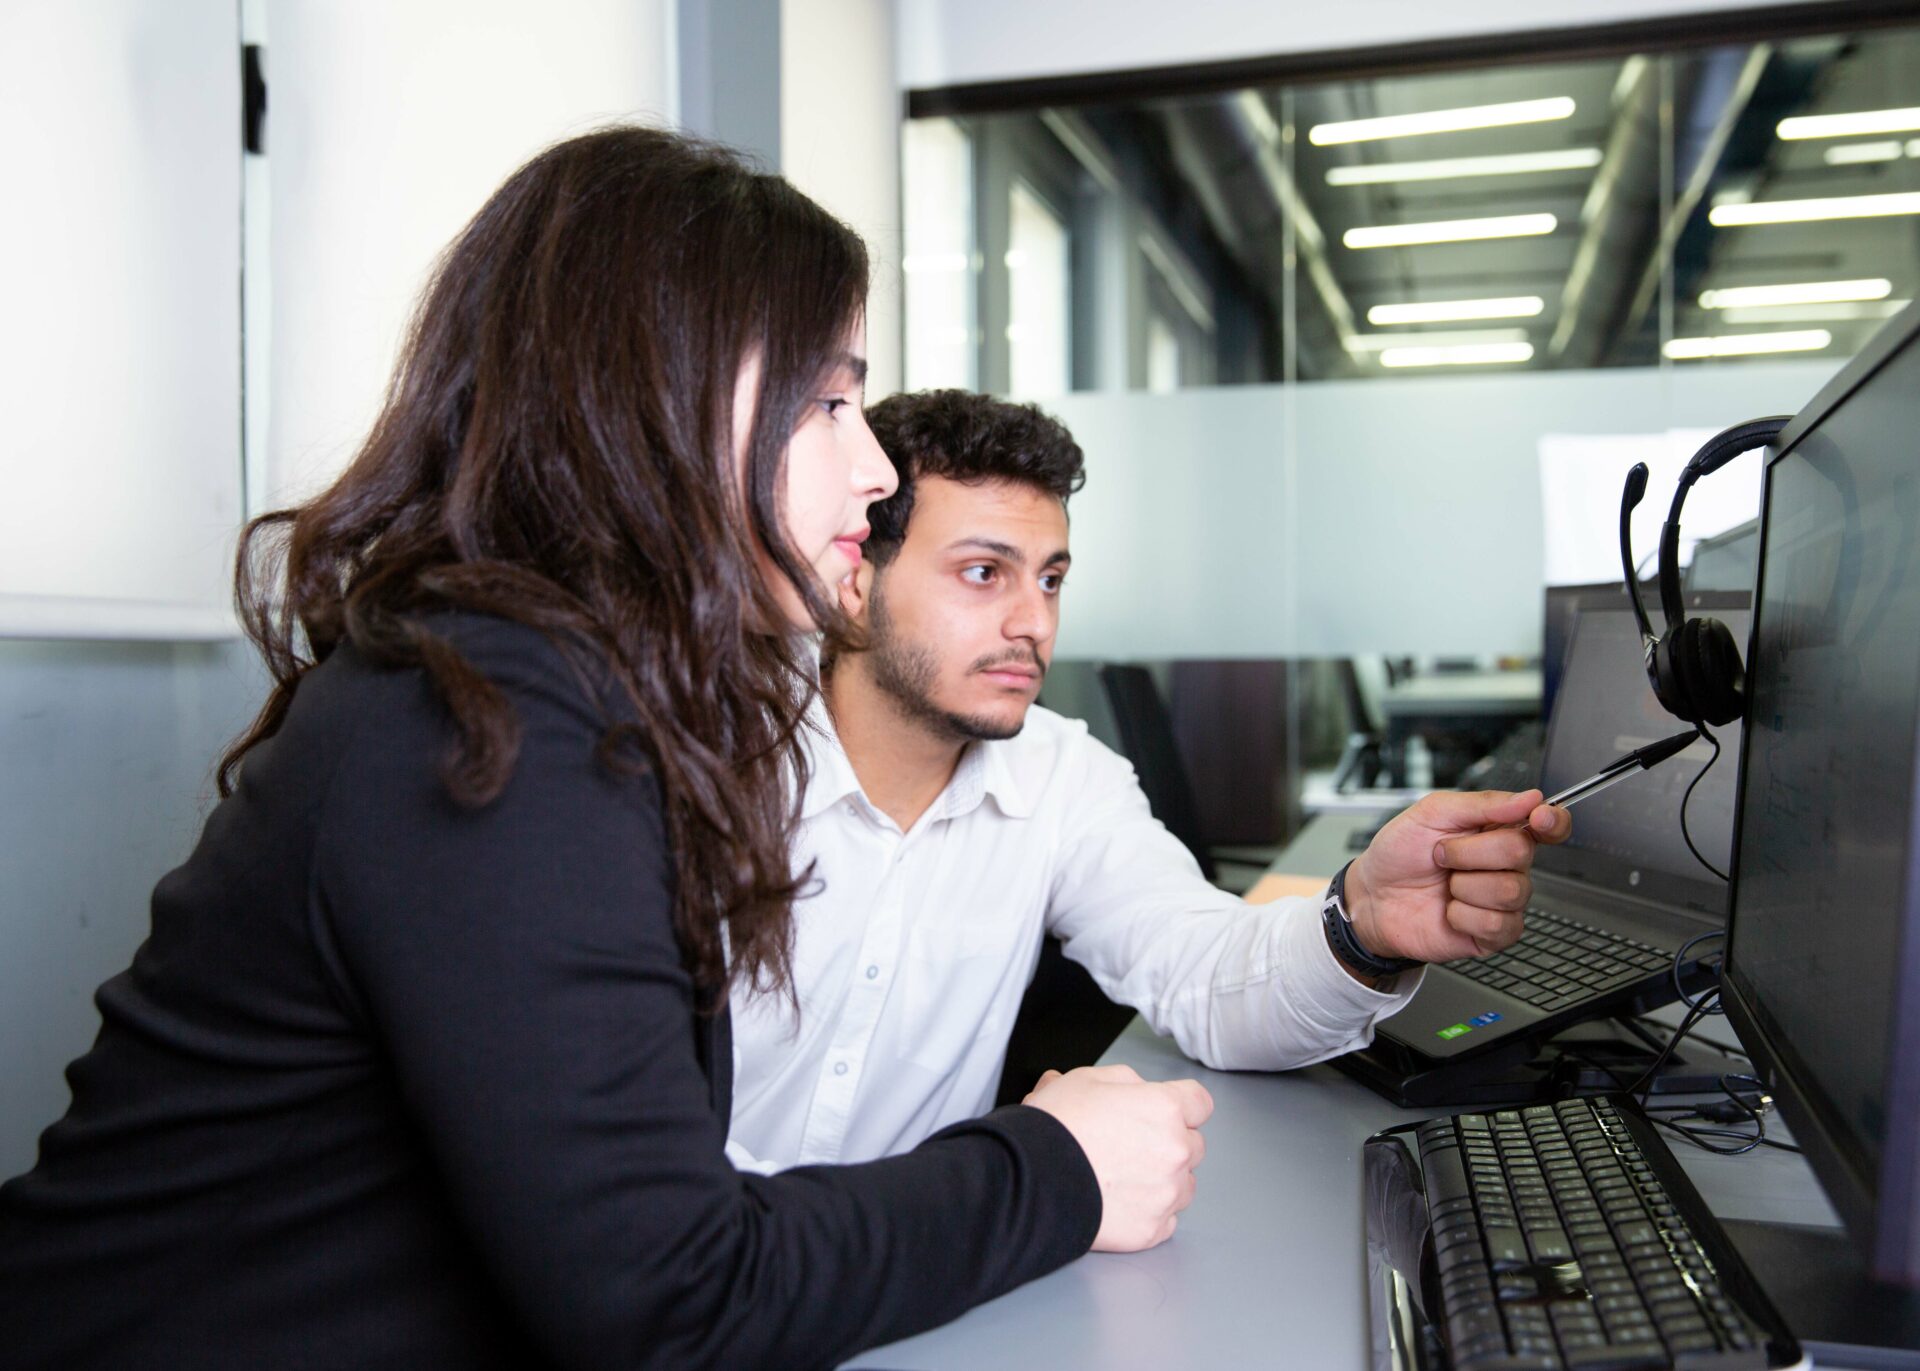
[{"x": 425, "y": 1062}]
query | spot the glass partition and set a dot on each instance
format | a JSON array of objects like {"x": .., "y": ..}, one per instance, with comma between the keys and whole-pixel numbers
[{"x": 1359, "y": 363}]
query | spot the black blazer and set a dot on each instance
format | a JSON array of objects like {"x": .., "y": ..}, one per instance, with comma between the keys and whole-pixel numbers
[{"x": 394, "y": 1083}]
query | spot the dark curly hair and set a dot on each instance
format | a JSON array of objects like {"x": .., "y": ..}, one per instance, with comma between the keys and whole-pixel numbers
[
  {"x": 557, "y": 449},
  {"x": 968, "y": 438}
]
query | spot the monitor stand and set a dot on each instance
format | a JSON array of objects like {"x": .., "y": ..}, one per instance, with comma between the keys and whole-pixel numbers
[
  {"x": 1592, "y": 1058},
  {"x": 1842, "y": 1317}
]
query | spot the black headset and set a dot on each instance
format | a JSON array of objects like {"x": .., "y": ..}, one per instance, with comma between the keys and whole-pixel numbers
[{"x": 1694, "y": 667}]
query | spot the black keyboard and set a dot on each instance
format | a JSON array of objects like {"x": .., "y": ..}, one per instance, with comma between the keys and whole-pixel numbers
[
  {"x": 1514, "y": 763},
  {"x": 1566, "y": 1238},
  {"x": 1561, "y": 961}
]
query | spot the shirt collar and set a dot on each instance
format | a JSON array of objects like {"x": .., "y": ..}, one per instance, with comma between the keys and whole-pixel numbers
[
  {"x": 985, "y": 769},
  {"x": 830, "y": 778}
]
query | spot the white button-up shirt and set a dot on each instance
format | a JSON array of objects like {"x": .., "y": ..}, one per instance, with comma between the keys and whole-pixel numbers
[{"x": 912, "y": 950}]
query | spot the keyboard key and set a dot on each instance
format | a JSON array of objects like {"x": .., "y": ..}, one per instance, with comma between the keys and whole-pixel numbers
[
  {"x": 1476, "y": 1324},
  {"x": 1502, "y": 1361},
  {"x": 1550, "y": 1245},
  {"x": 1505, "y": 1248},
  {"x": 1617, "y": 1357},
  {"x": 1446, "y": 1177}
]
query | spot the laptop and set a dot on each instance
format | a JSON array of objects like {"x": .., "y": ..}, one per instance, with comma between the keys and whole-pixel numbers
[{"x": 1614, "y": 904}]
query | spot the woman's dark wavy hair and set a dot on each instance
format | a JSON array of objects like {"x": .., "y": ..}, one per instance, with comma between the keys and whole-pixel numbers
[{"x": 556, "y": 448}]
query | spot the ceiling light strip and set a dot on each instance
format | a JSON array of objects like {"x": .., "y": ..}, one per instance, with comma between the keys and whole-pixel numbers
[
  {"x": 1453, "y": 168},
  {"x": 1453, "y": 311},
  {"x": 1451, "y": 231},
  {"x": 1480, "y": 354},
  {"x": 1808, "y": 211},
  {"x": 1747, "y": 344},
  {"x": 1442, "y": 121},
  {"x": 1797, "y": 293},
  {"x": 1854, "y": 154},
  {"x": 1380, "y": 342},
  {"x": 1851, "y": 125},
  {"x": 1812, "y": 314}
]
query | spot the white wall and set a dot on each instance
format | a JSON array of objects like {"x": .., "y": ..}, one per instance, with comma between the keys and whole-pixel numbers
[
  {"x": 954, "y": 42},
  {"x": 389, "y": 126},
  {"x": 120, "y": 335},
  {"x": 840, "y": 113}
]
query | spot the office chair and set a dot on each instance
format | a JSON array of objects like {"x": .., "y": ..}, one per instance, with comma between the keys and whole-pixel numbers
[
  {"x": 1146, "y": 738},
  {"x": 1065, "y": 1020}
]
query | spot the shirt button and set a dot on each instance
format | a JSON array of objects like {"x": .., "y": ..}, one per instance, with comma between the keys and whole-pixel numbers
[
  {"x": 839, "y": 1068},
  {"x": 873, "y": 972}
]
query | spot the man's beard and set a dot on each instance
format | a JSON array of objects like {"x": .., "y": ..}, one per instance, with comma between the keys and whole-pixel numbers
[{"x": 907, "y": 673}]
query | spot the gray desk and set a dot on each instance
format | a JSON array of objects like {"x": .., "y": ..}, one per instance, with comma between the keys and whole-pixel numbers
[{"x": 1267, "y": 1268}]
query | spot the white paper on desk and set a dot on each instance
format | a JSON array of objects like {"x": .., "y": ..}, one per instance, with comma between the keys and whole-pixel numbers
[{"x": 1581, "y": 477}]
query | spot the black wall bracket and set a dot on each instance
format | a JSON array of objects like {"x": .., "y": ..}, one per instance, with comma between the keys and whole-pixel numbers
[{"x": 253, "y": 97}]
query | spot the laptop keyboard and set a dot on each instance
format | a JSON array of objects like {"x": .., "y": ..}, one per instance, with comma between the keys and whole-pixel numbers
[
  {"x": 1561, "y": 961},
  {"x": 1558, "y": 1245}
]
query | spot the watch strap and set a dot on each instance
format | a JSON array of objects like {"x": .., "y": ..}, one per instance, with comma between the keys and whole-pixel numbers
[{"x": 1340, "y": 934}]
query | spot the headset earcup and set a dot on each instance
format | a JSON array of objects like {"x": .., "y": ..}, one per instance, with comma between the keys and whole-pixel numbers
[
  {"x": 1707, "y": 669},
  {"x": 1665, "y": 676}
]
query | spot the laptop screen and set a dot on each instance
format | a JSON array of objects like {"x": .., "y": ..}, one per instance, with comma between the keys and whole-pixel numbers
[{"x": 1628, "y": 837}]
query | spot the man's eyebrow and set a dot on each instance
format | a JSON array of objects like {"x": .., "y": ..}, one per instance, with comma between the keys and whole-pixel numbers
[
  {"x": 1009, "y": 552},
  {"x": 1006, "y": 551},
  {"x": 855, "y": 364}
]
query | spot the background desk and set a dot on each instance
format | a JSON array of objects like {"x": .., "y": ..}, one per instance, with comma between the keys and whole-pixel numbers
[
  {"x": 1268, "y": 1265},
  {"x": 1461, "y": 716}
]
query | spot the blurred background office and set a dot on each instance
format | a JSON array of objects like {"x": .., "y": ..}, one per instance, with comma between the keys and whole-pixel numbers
[{"x": 1359, "y": 311}]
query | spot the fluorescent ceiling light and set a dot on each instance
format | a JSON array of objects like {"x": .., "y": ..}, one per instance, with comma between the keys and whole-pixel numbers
[
  {"x": 1451, "y": 311},
  {"x": 1747, "y": 344},
  {"x": 1450, "y": 168},
  {"x": 1849, "y": 125},
  {"x": 1468, "y": 337},
  {"x": 1852, "y": 154},
  {"x": 1797, "y": 293},
  {"x": 1806, "y": 211},
  {"x": 1444, "y": 121},
  {"x": 1813, "y": 314},
  {"x": 935, "y": 261},
  {"x": 1452, "y": 231},
  {"x": 1465, "y": 355}
]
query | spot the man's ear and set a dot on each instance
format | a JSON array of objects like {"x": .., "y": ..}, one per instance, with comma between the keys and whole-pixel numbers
[{"x": 855, "y": 590}]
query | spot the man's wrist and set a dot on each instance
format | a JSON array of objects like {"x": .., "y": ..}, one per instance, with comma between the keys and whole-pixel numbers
[{"x": 1338, "y": 919}]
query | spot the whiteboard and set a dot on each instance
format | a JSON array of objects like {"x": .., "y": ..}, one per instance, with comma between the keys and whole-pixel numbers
[{"x": 120, "y": 458}]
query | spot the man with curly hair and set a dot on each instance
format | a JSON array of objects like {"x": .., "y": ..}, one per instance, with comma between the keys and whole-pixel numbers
[{"x": 951, "y": 822}]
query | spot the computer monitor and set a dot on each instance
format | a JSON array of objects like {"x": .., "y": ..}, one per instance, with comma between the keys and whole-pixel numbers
[
  {"x": 1628, "y": 838},
  {"x": 1726, "y": 560},
  {"x": 1822, "y": 980},
  {"x": 1556, "y": 630}
]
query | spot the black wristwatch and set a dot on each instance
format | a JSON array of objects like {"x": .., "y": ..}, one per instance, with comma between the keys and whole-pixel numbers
[{"x": 1339, "y": 926}]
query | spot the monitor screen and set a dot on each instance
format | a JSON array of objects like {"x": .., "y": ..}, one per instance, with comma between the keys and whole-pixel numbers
[
  {"x": 1556, "y": 633},
  {"x": 1607, "y": 709},
  {"x": 1822, "y": 888},
  {"x": 1726, "y": 560},
  {"x": 1556, "y": 629}
]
